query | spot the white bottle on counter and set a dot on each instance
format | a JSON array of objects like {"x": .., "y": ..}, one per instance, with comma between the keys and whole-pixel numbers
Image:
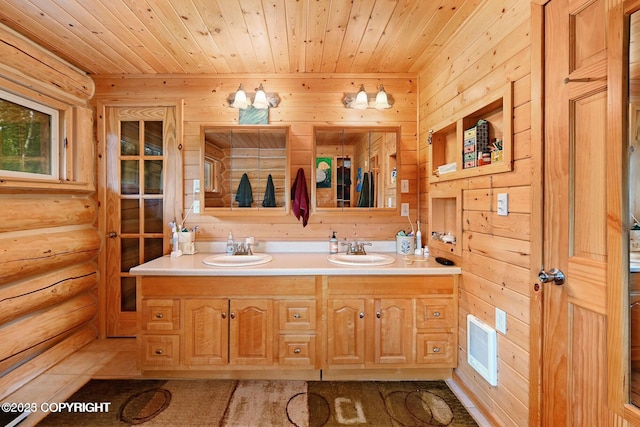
[
  {"x": 230, "y": 248},
  {"x": 333, "y": 244}
]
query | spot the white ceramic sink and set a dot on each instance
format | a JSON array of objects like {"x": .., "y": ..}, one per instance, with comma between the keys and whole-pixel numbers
[
  {"x": 224, "y": 260},
  {"x": 369, "y": 260}
]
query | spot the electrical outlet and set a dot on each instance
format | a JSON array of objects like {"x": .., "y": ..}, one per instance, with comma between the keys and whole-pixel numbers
[
  {"x": 501, "y": 321},
  {"x": 503, "y": 204},
  {"x": 196, "y": 206},
  {"x": 196, "y": 186},
  {"x": 404, "y": 209},
  {"x": 404, "y": 185}
]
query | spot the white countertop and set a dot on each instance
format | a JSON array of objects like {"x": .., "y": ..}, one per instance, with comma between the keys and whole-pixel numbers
[{"x": 291, "y": 264}]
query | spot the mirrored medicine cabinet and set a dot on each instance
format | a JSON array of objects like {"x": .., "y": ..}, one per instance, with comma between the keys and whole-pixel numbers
[
  {"x": 245, "y": 169},
  {"x": 355, "y": 168}
]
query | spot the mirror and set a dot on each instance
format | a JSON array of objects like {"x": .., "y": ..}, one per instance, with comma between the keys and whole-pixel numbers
[
  {"x": 634, "y": 205},
  {"x": 245, "y": 168},
  {"x": 355, "y": 168}
]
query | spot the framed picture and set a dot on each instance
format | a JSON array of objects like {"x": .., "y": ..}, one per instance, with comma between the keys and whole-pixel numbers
[{"x": 323, "y": 172}]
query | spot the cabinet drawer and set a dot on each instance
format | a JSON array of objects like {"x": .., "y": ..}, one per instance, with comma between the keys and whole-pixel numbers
[
  {"x": 435, "y": 348},
  {"x": 434, "y": 313},
  {"x": 297, "y": 315},
  {"x": 160, "y": 350},
  {"x": 299, "y": 350},
  {"x": 161, "y": 314}
]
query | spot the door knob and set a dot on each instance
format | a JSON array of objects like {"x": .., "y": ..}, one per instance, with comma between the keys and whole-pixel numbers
[
  {"x": 554, "y": 275},
  {"x": 112, "y": 235}
]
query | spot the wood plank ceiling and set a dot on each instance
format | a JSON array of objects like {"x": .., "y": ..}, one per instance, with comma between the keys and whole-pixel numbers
[{"x": 112, "y": 37}]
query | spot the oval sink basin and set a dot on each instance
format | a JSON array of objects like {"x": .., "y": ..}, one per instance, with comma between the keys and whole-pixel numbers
[
  {"x": 369, "y": 260},
  {"x": 224, "y": 260}
]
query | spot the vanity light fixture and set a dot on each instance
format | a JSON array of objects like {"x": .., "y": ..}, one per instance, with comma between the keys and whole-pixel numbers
[
  {"x": 261, "y": 99},
  {"x": 362, "y": 100}
]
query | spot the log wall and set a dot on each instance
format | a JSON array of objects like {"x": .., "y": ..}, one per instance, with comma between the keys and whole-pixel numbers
[
  {"x": 48, "y": 233},
  {"x": 307, "y": 100},
  {"x": 494, "y": 49}
]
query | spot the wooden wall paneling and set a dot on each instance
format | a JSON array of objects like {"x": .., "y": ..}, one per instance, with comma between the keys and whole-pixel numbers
[
  {"x": 60, "y": 211},
  {"x": 306, "y": 101}
]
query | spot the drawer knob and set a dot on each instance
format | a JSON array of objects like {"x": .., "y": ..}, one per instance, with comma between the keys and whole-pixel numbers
[
  {"x": 159, "y": 316},
  {"x": 159, "y": 351},
  {"x": 362, "y": 314},
  {"x": 297, "y": 351},
  {"x": 224, "y": 315},
  {"x": 297, "y": 315},
  {"x": 378, "y": 314},
  {"x": 436, "y": 314},
  {"x": 232, "y": 315},
  {"x": 436, "y": 349}
]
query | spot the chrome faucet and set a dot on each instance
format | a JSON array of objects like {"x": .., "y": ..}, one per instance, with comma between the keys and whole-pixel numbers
[
  {"x": 243, "y": 249},
  {"x": 356, "y": 248}
]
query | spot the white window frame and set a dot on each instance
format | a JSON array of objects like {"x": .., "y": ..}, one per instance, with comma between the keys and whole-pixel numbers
[{"x": 55, "y": 138}]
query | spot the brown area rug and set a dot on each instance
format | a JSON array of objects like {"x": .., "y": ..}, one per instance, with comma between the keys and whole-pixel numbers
[{"x": 263, "y": 403}]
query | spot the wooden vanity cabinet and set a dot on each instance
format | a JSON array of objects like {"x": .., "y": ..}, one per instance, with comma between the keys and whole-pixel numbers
[
  {"x": 298, "y": 327},
  {"x": 223, "y": 323},
  {"x": 397, "y": 323}
]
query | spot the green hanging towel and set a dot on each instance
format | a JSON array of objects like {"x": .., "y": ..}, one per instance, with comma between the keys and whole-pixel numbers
[
  {"x": 269, "y": 200},
  {"x": 244, "y": 195}
]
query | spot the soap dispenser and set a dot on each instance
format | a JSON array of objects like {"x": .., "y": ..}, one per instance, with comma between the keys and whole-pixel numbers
[
  {"x": 230, "y": 248},
  {"x": 333, "y": 244}
]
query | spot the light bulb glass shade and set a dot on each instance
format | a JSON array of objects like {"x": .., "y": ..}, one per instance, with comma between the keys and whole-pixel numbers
[
  {"x": 260, "y": 100},
  {"x": 362, "y": 100},
  {"x": 382, "y": 101},
  {"x": 240, "y": 100}
]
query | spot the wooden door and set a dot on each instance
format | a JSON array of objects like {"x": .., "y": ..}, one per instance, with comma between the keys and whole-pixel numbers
[
  {"x": 345, "y": 331},
  {"x": 206, "y": 331},
  {"x": 251, "y": 333},
  {"x": 141, "y": 153},
  {"x": 393, "y": 330},
  {"x": 574, "y": 352}
]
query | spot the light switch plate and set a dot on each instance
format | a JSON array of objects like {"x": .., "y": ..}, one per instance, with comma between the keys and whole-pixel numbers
[
  {"x": 196, "y": 186},
  {"x": 404, "y": 209},
  {"x": 196, "y": 206},
  {"x": 503, "y": 204},
  {"x": 404, "y": 186},
  {"x": 501, "y": 321}
]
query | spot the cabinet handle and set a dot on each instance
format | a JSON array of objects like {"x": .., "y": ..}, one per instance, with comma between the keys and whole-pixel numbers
[
  {"x": 232, "y": 315},
  {"x": 159, "y": 351},
  {"x": 362, "y": 314},
  {"x": 436, "y": 349},
  {"x": 436, "y": 314},
  {"x": 378, "y": 314},
  {"x": 224, "y": 315},
  {"x": 297, "y": 351},
  {"x": 159, "y": 316},
  {"x": 297, "y": 315}
]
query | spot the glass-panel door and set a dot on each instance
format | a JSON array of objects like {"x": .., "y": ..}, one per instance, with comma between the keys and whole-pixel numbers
[{"x": 136, "y": 204}]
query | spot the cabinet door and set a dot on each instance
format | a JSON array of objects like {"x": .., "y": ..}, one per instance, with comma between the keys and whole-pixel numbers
[
  {"x": 251, "y": 332},
  {"x": 206, "y": 337},
  {"x": 345, "y": 331},
  {"x": 393, "y": 330}
]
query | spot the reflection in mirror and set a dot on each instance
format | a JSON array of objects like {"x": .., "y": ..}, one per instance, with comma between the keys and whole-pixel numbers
[
  {"x": 355, "y": 168},
  {"x": 245, "y": 168},
  {"x": 634, "y": 208}
]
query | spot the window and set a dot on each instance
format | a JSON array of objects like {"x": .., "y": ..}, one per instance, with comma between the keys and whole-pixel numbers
[{"x": 29, "y": 146}]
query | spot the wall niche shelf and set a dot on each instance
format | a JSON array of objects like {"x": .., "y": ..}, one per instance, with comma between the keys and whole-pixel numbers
[
  {"x": 445, "y": 218},
  {"x": 446, "y": 146}
]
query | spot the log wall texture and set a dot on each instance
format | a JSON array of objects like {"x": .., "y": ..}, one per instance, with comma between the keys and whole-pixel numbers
[{"x": 49, "y": 239}]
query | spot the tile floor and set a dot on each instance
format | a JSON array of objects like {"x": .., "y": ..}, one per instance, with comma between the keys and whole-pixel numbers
[{"x": 112, "y": 358}]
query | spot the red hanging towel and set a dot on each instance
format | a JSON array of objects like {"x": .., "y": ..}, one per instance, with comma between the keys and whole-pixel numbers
[{"x": 300, "y": 198}]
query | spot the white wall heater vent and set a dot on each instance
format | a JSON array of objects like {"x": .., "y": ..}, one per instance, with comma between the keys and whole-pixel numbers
[{"x": 482, "y": 349}]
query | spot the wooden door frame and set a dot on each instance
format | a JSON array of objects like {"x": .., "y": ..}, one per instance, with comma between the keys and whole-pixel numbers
[{"x": 101, "y": 191}]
